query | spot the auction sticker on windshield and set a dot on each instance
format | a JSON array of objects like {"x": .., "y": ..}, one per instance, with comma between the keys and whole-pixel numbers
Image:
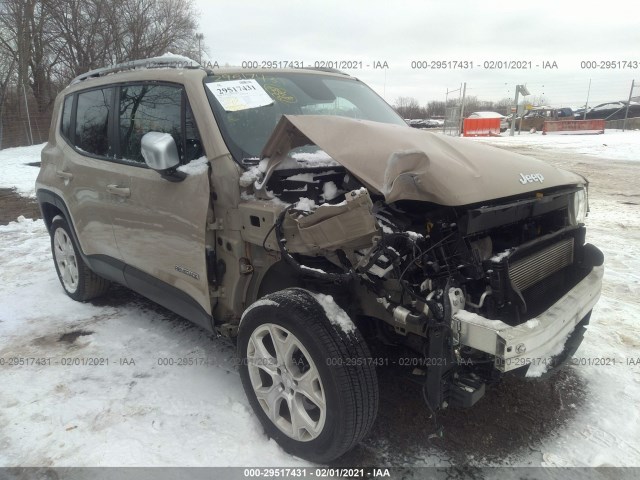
[{"x": 237, "y": 95}]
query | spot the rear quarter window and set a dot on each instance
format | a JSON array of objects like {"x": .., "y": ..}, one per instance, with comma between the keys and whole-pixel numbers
[{"x": 65, "y": 127}]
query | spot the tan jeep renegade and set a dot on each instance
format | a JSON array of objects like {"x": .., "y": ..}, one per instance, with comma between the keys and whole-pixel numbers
[{"x": 295, "y": 212}]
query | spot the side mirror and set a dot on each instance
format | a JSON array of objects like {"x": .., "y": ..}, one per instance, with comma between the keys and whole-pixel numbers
[{"x": 160, "y": 153}]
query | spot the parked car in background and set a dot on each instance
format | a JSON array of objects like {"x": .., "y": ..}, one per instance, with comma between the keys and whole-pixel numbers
[
  {"x": 416, "y": 122},
  {"x": 534, "y": 119},
  {"x": 614, "y": 111},
  {"x": 503, "y": 120},
  {"x": 424, "y": 123},
  {"x": 433, "y": 123}
]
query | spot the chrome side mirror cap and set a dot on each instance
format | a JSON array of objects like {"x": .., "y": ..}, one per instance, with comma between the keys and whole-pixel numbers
[{"x": 160, "y": 153}]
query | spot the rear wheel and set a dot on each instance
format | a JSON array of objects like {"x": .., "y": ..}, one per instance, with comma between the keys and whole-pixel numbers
[
  {"x": 306, "y": 375},
  {"x": 78, "y": 281}
]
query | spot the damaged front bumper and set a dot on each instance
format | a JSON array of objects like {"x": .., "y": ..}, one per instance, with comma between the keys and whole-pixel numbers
[{"x": 538, "y": 340}]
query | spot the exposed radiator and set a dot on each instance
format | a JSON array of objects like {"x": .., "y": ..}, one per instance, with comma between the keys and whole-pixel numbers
[{"x": 531, "y": 270}]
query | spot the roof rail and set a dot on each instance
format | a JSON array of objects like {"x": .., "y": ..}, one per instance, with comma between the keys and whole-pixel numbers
[
  {"x": 165, "y": 61},
  {"x": 328, "y": 70}
]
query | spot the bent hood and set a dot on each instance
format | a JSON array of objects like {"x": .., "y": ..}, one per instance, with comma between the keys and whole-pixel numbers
[{"x": 404, "y": 163}]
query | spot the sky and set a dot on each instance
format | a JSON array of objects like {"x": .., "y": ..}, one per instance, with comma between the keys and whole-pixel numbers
[{"x": 409, "y": 35}]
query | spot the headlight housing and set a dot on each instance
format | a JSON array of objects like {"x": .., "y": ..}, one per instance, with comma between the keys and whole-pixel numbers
[{"x": 578, "y": 207}]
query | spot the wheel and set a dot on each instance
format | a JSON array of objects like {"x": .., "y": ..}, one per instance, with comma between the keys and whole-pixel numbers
[
  {"x": 306, "y": 375},
  {"x": 78, "y": 281}
]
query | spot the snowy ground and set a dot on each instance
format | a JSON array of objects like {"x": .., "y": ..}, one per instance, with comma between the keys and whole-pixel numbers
[
  {"x": 613, "y": 144},
  {"x": 56, "y": 414},
  {"x": 17, "y": 173}
]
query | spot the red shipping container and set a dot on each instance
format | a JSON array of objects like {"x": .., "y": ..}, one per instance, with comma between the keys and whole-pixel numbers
[
  {"x": 481, "y": 127},
  {"x": 570, "y": 126}
]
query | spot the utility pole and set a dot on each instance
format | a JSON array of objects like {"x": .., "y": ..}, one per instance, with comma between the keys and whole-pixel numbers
[
  {"x": 26, "y": 104},
  {"x": 444, "y": 124},
  {"x": 464, "y": 94},
  {"x": 199, "y": 37},
  {"x": 626, "y": 113},
  {"x": 586, "y": 105},
  {"x": 515, "y": 113},
  {"x": 454, "y": 121},
  {"x": 519, "y": 89}
]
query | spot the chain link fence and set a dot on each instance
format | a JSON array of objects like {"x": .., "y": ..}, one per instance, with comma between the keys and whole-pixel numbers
[
  {"x": 18, "y": 130},
  {"x": 452, "y": 120}
]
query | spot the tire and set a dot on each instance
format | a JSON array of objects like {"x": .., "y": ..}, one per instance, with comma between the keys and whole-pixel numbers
[
  {"x": 324, "y": 378},
  {"x": 78, "y": 281}
]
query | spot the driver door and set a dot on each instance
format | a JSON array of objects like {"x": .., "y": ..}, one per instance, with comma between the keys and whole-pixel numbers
[{"x": 160, "y": 229}]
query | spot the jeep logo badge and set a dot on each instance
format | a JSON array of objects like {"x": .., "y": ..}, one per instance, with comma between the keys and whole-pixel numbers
[{"x": 530, "y": 178}]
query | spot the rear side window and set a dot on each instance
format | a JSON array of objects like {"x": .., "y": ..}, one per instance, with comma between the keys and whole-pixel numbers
[
  {"x": 65, "y": 129},
  {"x": 92, "y": 121}
]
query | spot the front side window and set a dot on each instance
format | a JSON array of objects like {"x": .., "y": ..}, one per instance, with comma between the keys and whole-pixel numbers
[
  {"x": 92, "y": 121},
  {"x": 148, "y": 108}
]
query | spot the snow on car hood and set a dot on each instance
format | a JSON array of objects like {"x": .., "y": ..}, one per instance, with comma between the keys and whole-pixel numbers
[{"x": 404, "y": 163}]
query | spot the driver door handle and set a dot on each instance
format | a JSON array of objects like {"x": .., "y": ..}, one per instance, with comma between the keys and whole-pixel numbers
[
  {"x": 120, "y": 191},
  {"x": 65, "y": 175}
]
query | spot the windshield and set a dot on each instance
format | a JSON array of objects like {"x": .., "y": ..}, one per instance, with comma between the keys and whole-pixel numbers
[{"x": 248, "y": 106}]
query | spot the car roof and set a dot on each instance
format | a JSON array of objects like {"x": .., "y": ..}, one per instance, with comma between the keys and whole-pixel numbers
[
  {"x": 487, "y": 114},
  {"x": 176, "y": 68}
]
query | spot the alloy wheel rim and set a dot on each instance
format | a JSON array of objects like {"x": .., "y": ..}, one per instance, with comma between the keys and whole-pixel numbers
[
  {"x": 66, "y": 260},
  {"x": 286, "y": 382}
]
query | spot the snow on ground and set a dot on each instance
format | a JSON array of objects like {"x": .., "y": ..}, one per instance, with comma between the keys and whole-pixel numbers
[
  {"x": 16, "y": 171},
  {"x": 136, "y": 399},
  {"x": 149, "y": 413},
  {"x": 608, "y": 432},
  {"x": 613, "y": 144}
]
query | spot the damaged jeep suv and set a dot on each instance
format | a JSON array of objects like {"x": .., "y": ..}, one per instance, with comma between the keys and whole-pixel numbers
[{"x": 296, "y": 213}]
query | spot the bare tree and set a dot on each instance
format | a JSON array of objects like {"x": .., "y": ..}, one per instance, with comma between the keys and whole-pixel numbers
[
  {"x": 504, "y": 105},
  {"x": 436, "y": 108},
  {"x": 7, "y": 72},
  {"x": 83, "y": 34},
  {"x": 45, "y": 43},
  {"x": 408, "y": 107},
  {"x": 15, "y": 38},
  {"x": 27, "y": 40},
  {"x": 43, "y": 58},
  {"x": 95, "y": 33},
  {"x": 146, "y": 28},
  {"x": 537, "y": 100}
]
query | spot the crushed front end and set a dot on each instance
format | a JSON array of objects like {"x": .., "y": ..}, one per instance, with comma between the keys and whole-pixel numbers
[
  {"x": 483, "y": 290},
  {"x": 440, "y": 247}
]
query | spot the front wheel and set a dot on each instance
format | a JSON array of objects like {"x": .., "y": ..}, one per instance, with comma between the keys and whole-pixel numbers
[{"x": 306, "y": 373}]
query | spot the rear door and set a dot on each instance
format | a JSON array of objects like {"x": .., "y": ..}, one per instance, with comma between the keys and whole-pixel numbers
[
  {"x": 160, "y": 231},
  {"x": 87, "y": 172}
]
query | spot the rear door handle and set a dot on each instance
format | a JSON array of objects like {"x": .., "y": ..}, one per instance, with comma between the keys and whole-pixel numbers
[
  {"x": 120, "y": 191},
  {"x": 65, "y": 175}
]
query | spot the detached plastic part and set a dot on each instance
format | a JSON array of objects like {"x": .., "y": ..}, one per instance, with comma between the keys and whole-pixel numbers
[{"x": 465, "y": 391}]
